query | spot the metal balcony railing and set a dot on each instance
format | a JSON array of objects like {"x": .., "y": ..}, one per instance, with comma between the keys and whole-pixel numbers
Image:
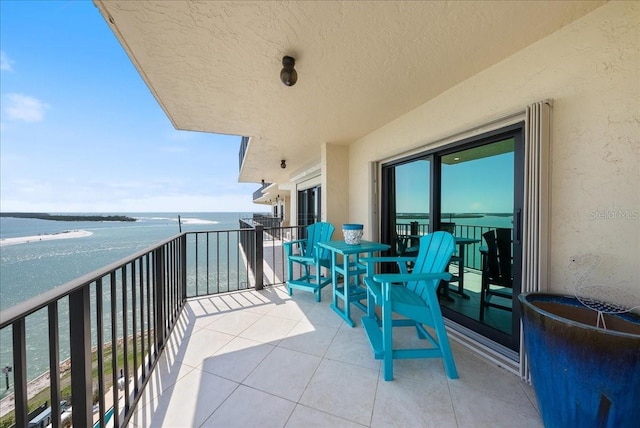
[
  {"x": 257, "y": 194},
  {"x": 472, "y": 257},
  {"x": 118, "y": 320}
]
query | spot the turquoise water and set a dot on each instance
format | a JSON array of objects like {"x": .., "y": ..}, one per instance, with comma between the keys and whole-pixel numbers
[{"x": 29, "y": 269}]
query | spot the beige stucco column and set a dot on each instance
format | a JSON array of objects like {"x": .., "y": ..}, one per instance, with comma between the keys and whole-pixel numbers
[{"x": 335, "y": 185}]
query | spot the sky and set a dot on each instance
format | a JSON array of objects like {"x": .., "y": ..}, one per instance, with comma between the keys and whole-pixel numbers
[
  {"x": 81, "y": 132},
  {"x": 478, "y": 186}
]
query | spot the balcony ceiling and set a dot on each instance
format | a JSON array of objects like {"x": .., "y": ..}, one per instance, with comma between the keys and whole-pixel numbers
[{"x": 214, "y": 66}]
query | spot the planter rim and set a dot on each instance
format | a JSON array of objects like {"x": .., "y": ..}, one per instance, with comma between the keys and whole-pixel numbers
[{"x": 629, "y": 316}]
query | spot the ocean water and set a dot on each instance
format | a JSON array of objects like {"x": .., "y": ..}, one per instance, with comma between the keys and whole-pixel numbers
[{"x": 29, "y": 269}]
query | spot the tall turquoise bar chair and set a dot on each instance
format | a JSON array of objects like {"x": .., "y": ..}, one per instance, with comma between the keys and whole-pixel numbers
[
  {"x": 412, "y": 295},
  {"x": 311, "y": 258}
]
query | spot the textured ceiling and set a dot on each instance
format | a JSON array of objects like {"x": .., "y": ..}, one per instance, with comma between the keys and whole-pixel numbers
[{"x": 214, "y": 66}]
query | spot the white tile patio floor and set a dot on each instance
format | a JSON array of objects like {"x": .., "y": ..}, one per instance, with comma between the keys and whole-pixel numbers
[{"x": 262, "y": 358}]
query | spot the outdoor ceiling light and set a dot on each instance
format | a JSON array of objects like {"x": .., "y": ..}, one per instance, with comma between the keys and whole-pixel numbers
[
  {"x": 283, "y": 164},
  {"x": 288, "y": 75}
]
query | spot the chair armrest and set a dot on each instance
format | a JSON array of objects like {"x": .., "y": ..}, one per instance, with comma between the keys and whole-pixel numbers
[
  {"x": 404, "y": 277},
  {"x": 302, "y": 259},
  {"x": 290, "y": 243},
  {"x": 288, "y": 246}
]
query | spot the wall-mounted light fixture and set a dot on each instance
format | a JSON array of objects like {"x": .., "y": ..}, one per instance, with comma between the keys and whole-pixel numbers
[
  {"x": 288, "y": 75},
  {"x": 283, "y": 164}
]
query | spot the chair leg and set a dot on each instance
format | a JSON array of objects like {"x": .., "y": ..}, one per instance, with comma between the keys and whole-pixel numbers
[
  {"x": 445, "y": 348},
  {"x": 441, "y": 335},
  {"x": 387, "y": 340},
  {"x": 483, "y": 286},
  {"x": 318, "y": 280},
  {"x": 289, "y": 276}
]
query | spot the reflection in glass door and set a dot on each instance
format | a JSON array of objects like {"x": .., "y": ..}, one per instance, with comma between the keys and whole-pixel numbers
[
  {"x": 407, "y": 206},
  {"x": 477, "y": 205}
]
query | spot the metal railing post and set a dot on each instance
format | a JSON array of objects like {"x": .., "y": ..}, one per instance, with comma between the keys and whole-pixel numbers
[
  {"x": 20, "y": 372},
  {"x": 183, "y": 266},
  {"x": 158, "y": 285},
  {"x": 259, "y": 256},
  {"x": 80, "y": 332}
]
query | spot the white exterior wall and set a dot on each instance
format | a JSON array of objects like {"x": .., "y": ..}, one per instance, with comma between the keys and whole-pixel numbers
[{"x": 591, "y": 70}]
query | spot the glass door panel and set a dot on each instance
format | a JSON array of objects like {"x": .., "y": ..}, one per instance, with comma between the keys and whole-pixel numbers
[
  {"x": 408, "y": 191},
  {"x": 477, "y": 206}
]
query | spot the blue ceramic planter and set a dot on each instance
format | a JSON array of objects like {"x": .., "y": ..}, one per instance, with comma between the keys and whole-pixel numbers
[{"x": 583, "y": 376}]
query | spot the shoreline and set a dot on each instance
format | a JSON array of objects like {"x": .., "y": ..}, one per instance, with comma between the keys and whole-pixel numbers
[{"x": 67, "y": 234}]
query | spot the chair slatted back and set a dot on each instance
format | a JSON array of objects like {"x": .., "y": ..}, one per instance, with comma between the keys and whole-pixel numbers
[
  {"x": 503, "y": 241},
  {"x": 498, "y": 260},
  {"x": 433, "y": 257},
  {"x": 492, "y": 268},
  {"x": 318, "y": 232}
]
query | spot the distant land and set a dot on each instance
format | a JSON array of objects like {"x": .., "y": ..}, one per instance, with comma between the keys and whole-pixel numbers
[{"x": 60, "y": 217}]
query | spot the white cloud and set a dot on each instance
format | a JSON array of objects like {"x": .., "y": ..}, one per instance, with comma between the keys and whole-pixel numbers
[
  {"x": 6, "y": 64},
  {"x": 24, "y": 108}
]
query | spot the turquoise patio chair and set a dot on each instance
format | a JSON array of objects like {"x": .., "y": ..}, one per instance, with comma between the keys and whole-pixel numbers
[
  {"x": 412, "y": 295},
  {"x": 309, "y": 255}
]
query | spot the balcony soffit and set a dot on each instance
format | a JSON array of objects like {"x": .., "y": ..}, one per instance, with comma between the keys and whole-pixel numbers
[{"x": 214, "y": 66}]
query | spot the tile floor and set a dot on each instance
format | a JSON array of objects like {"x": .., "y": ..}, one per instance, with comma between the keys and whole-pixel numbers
[{"x": 262, "y": 358}]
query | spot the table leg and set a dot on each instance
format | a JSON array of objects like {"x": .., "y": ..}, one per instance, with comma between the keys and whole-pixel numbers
[
  {"x": 334, "y": 280},
  {"x": 345, "y": 311},
  {"x": 460, "y": 289}
]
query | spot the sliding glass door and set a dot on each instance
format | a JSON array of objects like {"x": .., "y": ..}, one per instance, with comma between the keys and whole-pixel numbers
[
  {"x": 472, "y": 189},
  {"x": 309, "y": 206}
]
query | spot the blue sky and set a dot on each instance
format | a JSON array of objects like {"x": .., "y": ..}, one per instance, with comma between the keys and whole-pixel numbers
[
  {"x": 80, "y": 131},
  {"x": 479, "y": 186}
]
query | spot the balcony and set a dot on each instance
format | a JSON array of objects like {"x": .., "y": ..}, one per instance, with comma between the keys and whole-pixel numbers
[
  {"x": 243, "y": 356},
  {"x": 263, "y": 358}
]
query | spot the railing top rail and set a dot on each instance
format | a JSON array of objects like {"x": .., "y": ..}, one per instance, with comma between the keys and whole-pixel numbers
[{"x": 40, "y": 301}]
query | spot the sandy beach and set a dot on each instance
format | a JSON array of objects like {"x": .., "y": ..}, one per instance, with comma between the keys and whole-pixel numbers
[{"x": 67, "y": 234}]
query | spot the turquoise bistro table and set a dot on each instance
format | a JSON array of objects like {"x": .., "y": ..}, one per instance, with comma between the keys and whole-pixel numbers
[{"x": 350, "y": 269}]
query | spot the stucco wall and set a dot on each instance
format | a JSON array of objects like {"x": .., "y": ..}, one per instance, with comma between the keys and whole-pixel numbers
[
  {"x": 591, "y": 69},
  {"x": 335, "y": 185}
]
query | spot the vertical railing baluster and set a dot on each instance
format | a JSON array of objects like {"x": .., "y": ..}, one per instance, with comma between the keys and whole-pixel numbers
[
  {"x": 54, "y": 363},
  {"x": 218, "y": 262},
  {"x": 80, "y": 339},
  {"x": 134, "y": 325},
  {"x": 151, "y": 328},
  {"x": 183, "y": 266},
  {"x": 259, "y": 252},
  {"x": 196, "y": 250},
  {"x": 158, "y": 281},
  {"x": 20, "y": 372},
  {"x": 125, "y": 336},
  {"x": 99, "y": 351},
  {"x": 208, "y": 262},
  {"x": 143, "y": 330},
  {"x": 172, "y": 284},
  {"x": 237, "y": 260},
  {"x": 114, "y": 349},
  {"x": 228, "y": 264}
]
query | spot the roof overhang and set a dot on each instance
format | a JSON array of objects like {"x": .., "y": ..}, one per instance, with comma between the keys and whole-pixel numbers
[{"x": 214, "y": 66}]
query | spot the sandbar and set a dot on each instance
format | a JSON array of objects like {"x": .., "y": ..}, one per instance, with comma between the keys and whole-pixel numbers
[{"x": 67, "y": 234}]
